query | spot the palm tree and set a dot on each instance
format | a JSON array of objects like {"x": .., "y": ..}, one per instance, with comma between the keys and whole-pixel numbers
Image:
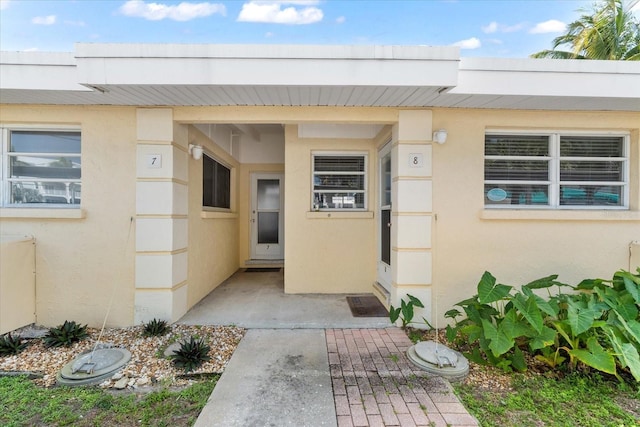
[{"x": 611, "y": 32}]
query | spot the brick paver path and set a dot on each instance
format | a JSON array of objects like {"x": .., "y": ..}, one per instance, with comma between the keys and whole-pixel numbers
[{"x": 374, "y": 384}]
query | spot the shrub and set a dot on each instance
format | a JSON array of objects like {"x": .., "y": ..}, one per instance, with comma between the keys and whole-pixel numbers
[
  {"x": 191, "y": 354},
  {"x": 65, "y": 334},
  {"x": 405, "y": 311},
  {"x": 597, "y": 325},
  {"x": 155, "y": 327},
  {"x": 11, "y": 345}
]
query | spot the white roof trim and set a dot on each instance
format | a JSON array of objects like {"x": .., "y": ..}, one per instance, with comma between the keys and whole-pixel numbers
[{"x": 297, "y": 75}]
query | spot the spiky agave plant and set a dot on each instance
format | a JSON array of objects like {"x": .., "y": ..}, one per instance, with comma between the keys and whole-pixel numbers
[
  {"x": 64, "y": 335},
  {"x": 191, "y": 354},
  {"x": 10, "y": 344},
  {"x": 155, "y": 327}
]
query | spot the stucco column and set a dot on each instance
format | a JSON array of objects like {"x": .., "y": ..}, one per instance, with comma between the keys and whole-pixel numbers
[
  {"x": 161, "y": 216},
  {"x": 411, "y": 244}
]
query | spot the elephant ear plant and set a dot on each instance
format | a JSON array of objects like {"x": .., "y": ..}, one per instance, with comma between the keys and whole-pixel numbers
[
  {"x": 405, "y": 312},
  {"x": 595, "y": 325}
]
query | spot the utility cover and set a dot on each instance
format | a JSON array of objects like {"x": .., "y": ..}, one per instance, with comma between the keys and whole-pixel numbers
[
  {"x": 93, "y": 367},
  {"x": 438, "y": 359}
]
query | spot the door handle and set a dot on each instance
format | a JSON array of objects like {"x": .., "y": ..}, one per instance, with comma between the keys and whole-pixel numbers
[{"x": 389, "y": 224}]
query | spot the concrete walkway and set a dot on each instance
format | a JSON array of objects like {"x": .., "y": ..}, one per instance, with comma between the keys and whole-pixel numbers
[{"x": 337, "y": 377}]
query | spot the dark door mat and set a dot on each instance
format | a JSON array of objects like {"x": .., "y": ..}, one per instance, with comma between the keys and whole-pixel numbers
[
  {"x": 366, "y": 306},
  {"x": 261, "y": 270}
]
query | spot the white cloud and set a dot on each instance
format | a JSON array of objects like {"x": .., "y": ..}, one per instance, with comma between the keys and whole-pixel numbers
[
  {"x": 4, "y": 4},
  {"x": 550, "y": 26},
  {"x": 75, "y": 23},
  {"x": 31, "y": 49},
  {"x": 472, "y": 43},
  {"x": 341, "y": 20},
  {"x": 491, "y": 28},
  {"x": 44, "y": 20},
  {"x": 274, "y": 13},
  {"x": 184, "y": 11}
]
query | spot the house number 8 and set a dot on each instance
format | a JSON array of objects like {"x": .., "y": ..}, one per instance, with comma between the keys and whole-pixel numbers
[{"x": 416, "y": 160}]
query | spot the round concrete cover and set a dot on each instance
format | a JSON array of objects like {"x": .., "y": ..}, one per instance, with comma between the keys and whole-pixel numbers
[
  {"x": 107, "y": 362},
  {"x": 428, "y": 350},
  {"x": 436, "y": 353}
]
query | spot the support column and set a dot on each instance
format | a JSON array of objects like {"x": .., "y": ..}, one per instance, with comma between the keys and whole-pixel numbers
[
  {"x": 411, "y": 243},
  {"x": 161, "y": 212}
]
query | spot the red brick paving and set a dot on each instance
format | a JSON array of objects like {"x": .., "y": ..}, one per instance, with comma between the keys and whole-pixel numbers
[{"x": 374, "y": 384}]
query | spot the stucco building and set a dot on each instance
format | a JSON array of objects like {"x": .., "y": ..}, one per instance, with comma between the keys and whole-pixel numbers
[{"x": 154, "y": 172}]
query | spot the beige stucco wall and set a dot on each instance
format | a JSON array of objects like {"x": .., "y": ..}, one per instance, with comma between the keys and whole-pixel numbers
[
  {"x": 17, "y": 282},
  {"x": 326, "y": 252},
  {"x": 518, "y": 247},
  {"x": 213, "y": 236},
  {"x": 85, "y": 264}
]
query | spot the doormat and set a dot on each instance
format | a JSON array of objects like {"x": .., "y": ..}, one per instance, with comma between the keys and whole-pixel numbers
[
  {"x": 366, "y": 306},
  {"x": 261, "y": 270}
]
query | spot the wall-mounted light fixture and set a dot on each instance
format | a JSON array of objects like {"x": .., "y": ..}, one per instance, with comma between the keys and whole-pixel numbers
[
  {"x": 195, "y": 151},
  {"x": 440, "y": 136}
]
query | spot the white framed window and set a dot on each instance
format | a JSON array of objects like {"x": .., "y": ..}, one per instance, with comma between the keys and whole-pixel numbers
[
  {"x": 216, "y": 183},
  {"x": 339, "y": 181},
  {"x": 556, "y": 170},
  {"x": 41, "y": 166}
]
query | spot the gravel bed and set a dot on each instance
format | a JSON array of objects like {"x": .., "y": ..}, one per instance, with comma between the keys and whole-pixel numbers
[{"x": 148, "y": 365}]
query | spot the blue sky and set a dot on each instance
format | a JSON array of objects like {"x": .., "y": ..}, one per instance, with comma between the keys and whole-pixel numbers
[{"x": 497, "y": 28}]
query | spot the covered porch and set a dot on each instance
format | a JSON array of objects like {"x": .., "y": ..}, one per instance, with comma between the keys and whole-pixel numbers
[{"x": 256, "y": 300}]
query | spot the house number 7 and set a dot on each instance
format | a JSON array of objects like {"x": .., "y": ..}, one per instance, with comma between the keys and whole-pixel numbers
[
  {"x": 416, "y": 160},
  {"x": 154, "y": 161}
]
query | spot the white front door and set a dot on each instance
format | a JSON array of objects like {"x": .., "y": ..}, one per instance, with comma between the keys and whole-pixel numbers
[
  {"x": 384, "y": 217},
  {"x": 267, "y": 224}
]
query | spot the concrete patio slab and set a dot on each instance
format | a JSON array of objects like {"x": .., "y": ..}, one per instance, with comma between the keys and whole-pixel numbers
[{"x": 257, "y": 300}]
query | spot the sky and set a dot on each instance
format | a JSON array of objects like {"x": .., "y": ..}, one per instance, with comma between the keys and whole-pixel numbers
[{"x": 485, "y": 28}]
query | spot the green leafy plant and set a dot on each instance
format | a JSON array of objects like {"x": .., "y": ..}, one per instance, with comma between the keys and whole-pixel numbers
[
  {"x": 596, "y": 325},
  {"x": 64, "y": 335},
  {"x": 191, "y": 354},
  {"x": 155, "y": 327},
  {"x": 406, "y": 311},
  {"x": 10, "y": 344}
]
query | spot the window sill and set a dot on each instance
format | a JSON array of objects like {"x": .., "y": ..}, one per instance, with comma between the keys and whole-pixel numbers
[
  {"x": 218, "y": 215},
  {"x": 42, "y": 213},
  {"x": 339, "y": 215},
  {"x": 559, "y": 215}
]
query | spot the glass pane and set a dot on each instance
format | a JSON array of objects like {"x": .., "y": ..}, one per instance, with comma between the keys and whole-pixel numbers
[
  {"x": 268, "y": 227},
  {"x": 339, "y": 200},
  {"x": 216, "y": 184},
  {"x": 591, "y": 195},
  {"x": 516, "y": 170},
  {"x": 45, "y": 167},
  {"x": 590, "y": 146},
  {"x": 590, "y": 171},
  {"x": 516, "y": 145},
  {"x": 268, "y": 194},
  {"x": 385, "y": 197},
  {"x": 44, "y": 142},
  {"x": 385, "y": 233},
  {"x": 516, "y": 194},
  {"x": 338, "y": 163},
  {"x": 338, "y": 182},
  {"x": 45, "y": 192}
]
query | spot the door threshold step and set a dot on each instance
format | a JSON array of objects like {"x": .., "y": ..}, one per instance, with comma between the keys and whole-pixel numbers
[{"x": 270, "y": 262}]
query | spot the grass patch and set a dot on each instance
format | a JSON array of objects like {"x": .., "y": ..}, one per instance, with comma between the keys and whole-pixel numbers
[
  {"x": 24, "y": 404},
  {"x": 575, "y": 400}
]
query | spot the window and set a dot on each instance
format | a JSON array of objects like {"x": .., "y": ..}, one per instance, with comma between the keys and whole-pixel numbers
[
  {"x": 216, "y": 184},
  {"x": 339, "y": 181},
  {"x": 556, "y": 170},
  {"x": 41, "y": 167}
]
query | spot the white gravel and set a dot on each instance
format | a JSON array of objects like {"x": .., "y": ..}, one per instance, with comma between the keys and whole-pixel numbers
[{"x": 148, "y": 365}]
